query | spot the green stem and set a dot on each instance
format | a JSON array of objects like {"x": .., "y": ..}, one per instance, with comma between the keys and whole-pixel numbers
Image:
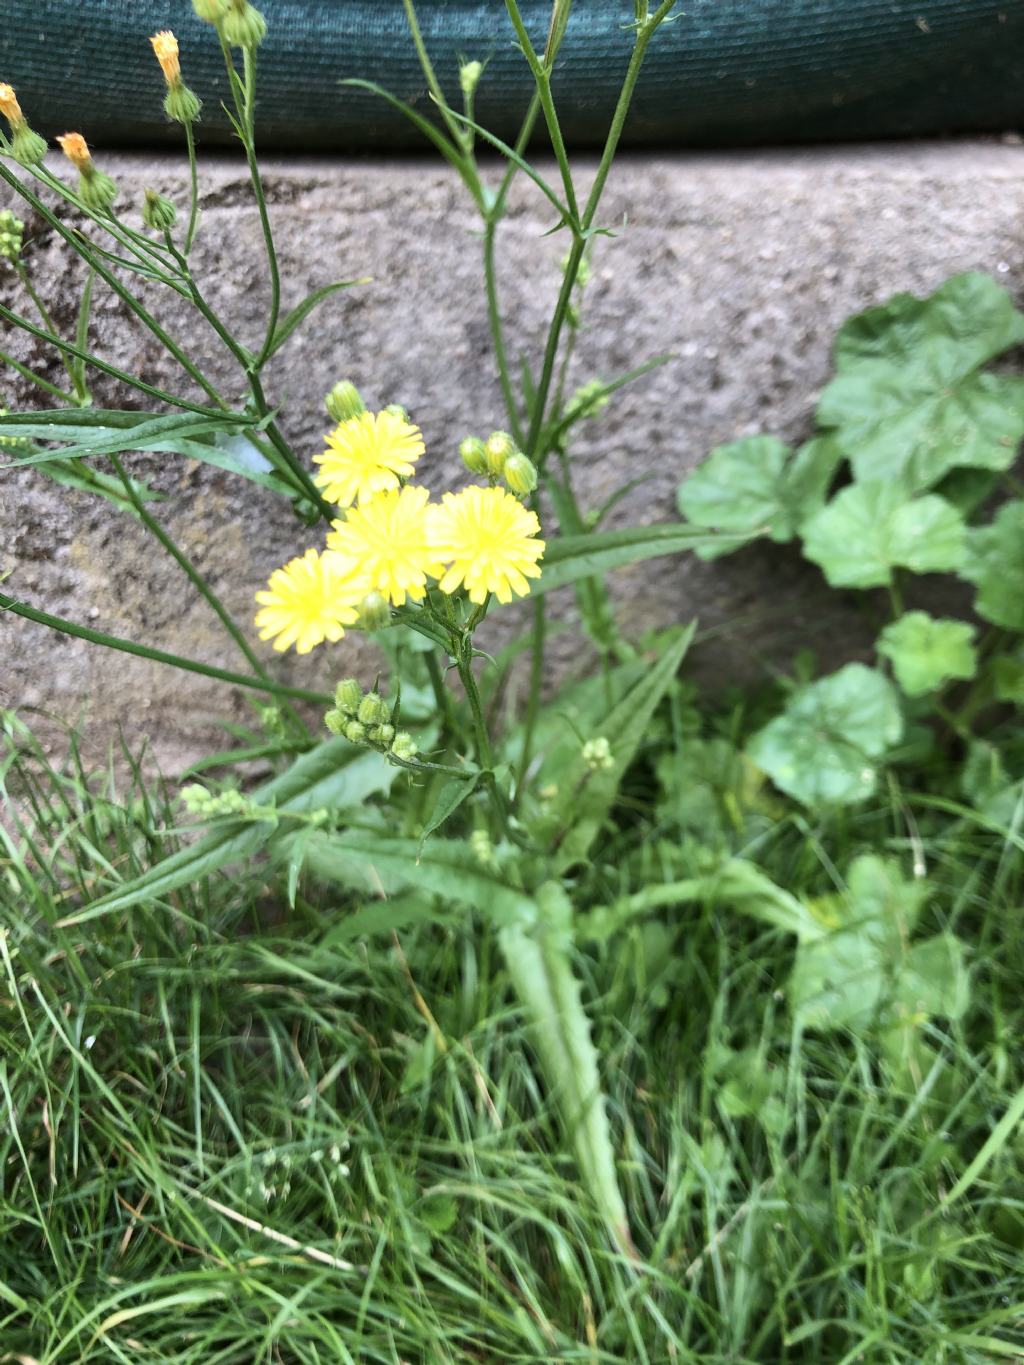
[
  {"x": 193, "y": 169},
  {"x": 442, "y": 695},
  {"x": 8, "y": 315},
  {"x": 99, "y": 637},
  {"x": 37, "y": 379},
  {"x": 497, "y": 331},
  {"x": 542, "y": 76},
  {"x": 433, "y": 83},
  {"x": 277, "y": 440},
  {"x": 538, "y": 635},
  {"x": 192, "y": 573},
  {"x": 48, "y": 321}
]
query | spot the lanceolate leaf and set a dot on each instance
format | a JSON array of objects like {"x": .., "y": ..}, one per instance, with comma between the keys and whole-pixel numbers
[
  {"x": 586, "y": 795},
  {"x": 365, "y": 861},
  {"x": 570, "y": 558},
  {"x": 298, "y": 314},
  {"x": 334, "y": 774},
  {"x": 909, "y": 401},
  {"x": 539, "y": 961}
]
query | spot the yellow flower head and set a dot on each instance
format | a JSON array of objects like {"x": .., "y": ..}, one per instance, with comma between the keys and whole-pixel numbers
[
  {"x": 367, "y": 455},
  {"x": 76, "y": 149},
  {"x": 165, "y": 45},
  {"x": 310, "y": 600},
  {"x": 390, "y": 540},
  {"x": 488, "y": 539},
  {"x": 9, "y": 106}
]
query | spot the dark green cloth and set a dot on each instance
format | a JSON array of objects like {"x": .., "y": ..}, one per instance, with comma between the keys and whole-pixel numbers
[{"x": 726, "y": 72}]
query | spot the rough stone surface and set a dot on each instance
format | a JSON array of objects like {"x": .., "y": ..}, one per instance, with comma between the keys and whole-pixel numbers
[{"x": 743, "y": 265}]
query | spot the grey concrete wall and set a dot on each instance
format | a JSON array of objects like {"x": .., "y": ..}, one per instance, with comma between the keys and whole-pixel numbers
[{"x": 743, "y": 265}]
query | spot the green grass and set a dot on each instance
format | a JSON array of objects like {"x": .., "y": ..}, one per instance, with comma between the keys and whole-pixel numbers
[{"x": 232, "y": 1135}]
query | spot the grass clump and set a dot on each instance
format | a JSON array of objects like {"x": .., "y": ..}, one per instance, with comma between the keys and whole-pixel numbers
[{"x": 239, "y": 1132}]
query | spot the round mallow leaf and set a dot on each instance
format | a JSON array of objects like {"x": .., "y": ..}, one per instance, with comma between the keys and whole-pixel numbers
[
  {"x": 825, "y": 747},
  {"x": 926, "y": 653},
  {"x": 995, "y": 564},
  {"x": 871, "y": 528}
]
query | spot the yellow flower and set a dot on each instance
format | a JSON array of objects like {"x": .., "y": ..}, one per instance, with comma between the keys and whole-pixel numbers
[
  {"x": 10, "y": 108},
  {"x": 488, "y": 539},
  {"x": 310, "y": 600},
  {"x": 165, "y": 46},
  {"x": 389, "y": 538},
  {"x": 367, "y": 455},
  {"x": 76, "y": 149}
]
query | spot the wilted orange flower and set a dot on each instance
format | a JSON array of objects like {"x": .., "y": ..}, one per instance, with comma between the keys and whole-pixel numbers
[
  {"x": 76, "y": 149},
  {"x": 9, "y": 106},
  {"x": 165, "y": 45}
]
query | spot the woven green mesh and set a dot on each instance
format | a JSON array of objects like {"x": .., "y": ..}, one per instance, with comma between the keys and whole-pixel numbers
[{"x": 726, "y": 72}]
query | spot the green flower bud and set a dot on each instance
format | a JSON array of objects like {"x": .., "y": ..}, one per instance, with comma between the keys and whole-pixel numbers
[
  {"x": 374, "y": 612},
  {"x": 589, "y": 399},
  {"x": 347, "y": 696},
  {"x": 383, "y": 734},
  {"x": 520, "y": 474},
  {"x": 181, "y": 104},
  {"x": 597, "y": 754},
  {"x": 210, "y": 11},
  {"x": 396, "y": 410},
  {"x": 469, "y": 77},
  {"x": 336, "y": 722},
  {"x": 98, "y": 191},
  {"x": 344, "y": 401},
  {"x": 11, "y": 236},
  {"x": 483, "y": 849},
  {"x": 497, "y": 449},
  {"x": 158, "y": 213},
  {"x": 243, "y": 25},
  {"x": 27, "y": 147},
  {"x": 474, "y": 455},
  {"x": 374, "y": 710},
  {"x": 404, "y": 746},
  {"x": 354, "y": 732}
]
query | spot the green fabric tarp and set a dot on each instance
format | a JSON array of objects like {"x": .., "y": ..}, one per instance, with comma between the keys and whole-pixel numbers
[{"x": 725, "y": 72}]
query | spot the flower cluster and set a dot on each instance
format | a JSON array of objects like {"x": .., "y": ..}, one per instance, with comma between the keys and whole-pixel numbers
[{"x": 390, "y": 541}]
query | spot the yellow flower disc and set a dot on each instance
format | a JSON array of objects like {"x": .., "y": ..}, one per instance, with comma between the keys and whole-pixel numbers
[
  {"x": 310, "y": 600},
  {"x": 389, "y": 538},
  {"x": 367, "y": 455},
  {"x": 489, "y": 540}
]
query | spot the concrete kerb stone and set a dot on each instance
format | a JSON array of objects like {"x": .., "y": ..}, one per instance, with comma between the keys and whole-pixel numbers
[{"x": 742, "y": 265}]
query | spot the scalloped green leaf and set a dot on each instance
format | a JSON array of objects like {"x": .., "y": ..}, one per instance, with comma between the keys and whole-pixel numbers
[
  {"x": 825, "y": 747},
  {"x": 995, "y": 565},
  {"x": 757, "y": 487},
  {"x": 871, "y": 528},
  {"x": 909, "y": 400},
  {"x": 925, "y": 653}
]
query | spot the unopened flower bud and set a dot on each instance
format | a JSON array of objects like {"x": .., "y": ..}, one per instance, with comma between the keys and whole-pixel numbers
[
  {"x": 11, "y": 236},
  {"x": 383, "y": 734},
  {"x": 474, "y": 455},
  {"x": 374, "y": 612},
  {"x": 27, "y": 147},
  {"x": 344, "y": 401},
  {"x": 597, "y": 754},
  {"x": 374, "y": 710},
  {"x": 520, "y": 474},
  {"x": 354, "y": 732},
  {"x": 347, "y": 696},
  {"x": 396, "y": 410},
  {"x": 182, "y": 105},
  {"x": 244, "y": 25},
  {"x": 336, "y": 722},
  {"x": 210, "y": 11},
  {"x": 404, "y": 746},
  {"x": 589, "y": 399},
  {"x": 158, "y": 213},
  {"x": 469, "y": 77},
  {"x": 498, "y": 447}
]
